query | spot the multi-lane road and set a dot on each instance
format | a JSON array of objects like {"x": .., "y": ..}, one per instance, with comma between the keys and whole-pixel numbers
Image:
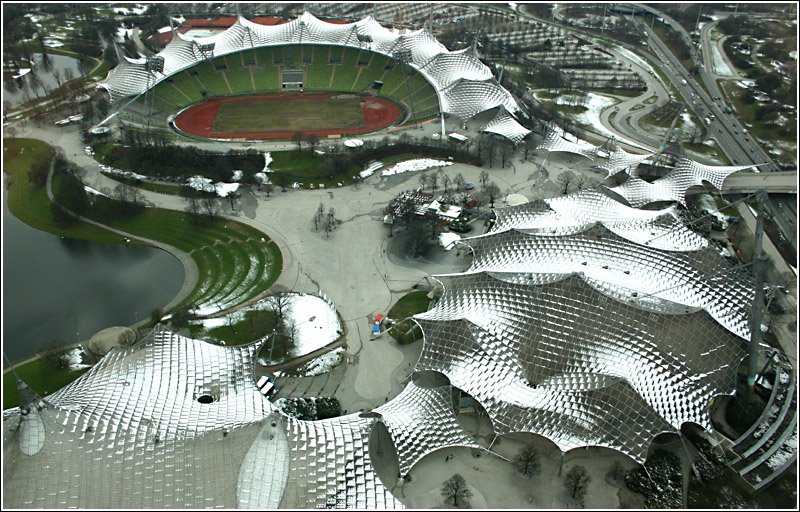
[{"x": 730, "y": 135}]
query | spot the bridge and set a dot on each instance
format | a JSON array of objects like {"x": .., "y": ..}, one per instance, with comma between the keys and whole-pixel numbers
[{"x": 783, "y": 182}]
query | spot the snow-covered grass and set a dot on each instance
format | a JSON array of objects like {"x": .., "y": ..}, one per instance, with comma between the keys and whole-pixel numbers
[
  {"x": 322, "y": 364},
  {"x": 721, "y": 67},
  {"x": 313, "y": 317},
  {"x": 594, "y": 106},
  {"x": 267, "y": 161},
  {"x": 418, "y": 164}
]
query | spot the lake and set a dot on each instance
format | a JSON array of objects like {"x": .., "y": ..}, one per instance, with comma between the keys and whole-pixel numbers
[
  {"x": 16, "y": 95},
  {"x": 65, "y": 289}
]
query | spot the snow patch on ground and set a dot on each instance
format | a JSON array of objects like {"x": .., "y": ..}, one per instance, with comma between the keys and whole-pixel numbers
[
  {"x": 225, "y": 189},
  {"x": 267, "y": 161},
  {"x": 708, "y": 204},
  {"x": 74, "y": 359},
  {"x": 119, "y": 172},
  {"x": 94, "y": 192},
  {"x": 595, "y": 105},
  {"x": 418, "y": 164},
  {"x": 314, "y": 318},
  {"x": 322, "y": 364},
  {"x": 721, "y": 67},
  {"x": 635, "y": 58}
]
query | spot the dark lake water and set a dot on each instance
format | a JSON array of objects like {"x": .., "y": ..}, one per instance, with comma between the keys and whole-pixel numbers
[
  {"x": 65, "y": 289},
  {"x": 17, "y": 95}
]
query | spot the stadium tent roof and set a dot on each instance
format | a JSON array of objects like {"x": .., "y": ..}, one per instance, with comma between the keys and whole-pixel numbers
[
  {"x": 556, "y": 140},
  {"x": 673, "y": 186},
  {"x": 621, "y": 160},
  {"x": 465, "y": 86}
]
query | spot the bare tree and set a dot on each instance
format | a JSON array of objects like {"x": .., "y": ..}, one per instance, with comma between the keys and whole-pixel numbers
[
  {"x": 459, "y": 181},
  {"x": 493, "y": 191},
  {"x": 312, "y": 139},
  {"x": 423, "y": 180},
  {"x": 211, "y": 207},
  {"x": 433, "y": 179},
  {"x": 319, "y": 217},
  {"x": 194, "y": 207},
  {"x": 455, "y": 491},
  {"x": 445, "y": 181},
  {"x": 527, "y": 461},
  {"x": 132, "y": 197},
  {"x": 483, "y": 178},
  {"x": 567, "y": 180},
  {"x": 279, "y": 302},
  {"x": 297, "y": 137},
  {"x": 577, "y": 482}
]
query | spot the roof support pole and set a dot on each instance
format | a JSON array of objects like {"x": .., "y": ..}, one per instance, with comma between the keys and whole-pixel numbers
[
  {"x": 444, "y": 135},
  {"x": 759, "y": 267}
]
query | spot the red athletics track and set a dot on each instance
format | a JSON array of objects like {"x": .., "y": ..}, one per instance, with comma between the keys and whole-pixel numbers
[{"x": 199, "y": 119}]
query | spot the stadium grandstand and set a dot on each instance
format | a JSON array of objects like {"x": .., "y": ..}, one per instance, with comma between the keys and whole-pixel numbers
[{"x": 409, "y": 67}]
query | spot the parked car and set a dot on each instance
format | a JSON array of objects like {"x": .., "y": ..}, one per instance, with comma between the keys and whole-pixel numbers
[{"x": 469, "y": 185}]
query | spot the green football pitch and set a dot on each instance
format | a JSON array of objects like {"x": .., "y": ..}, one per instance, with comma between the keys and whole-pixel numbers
[{"x": 289, "y": 114}]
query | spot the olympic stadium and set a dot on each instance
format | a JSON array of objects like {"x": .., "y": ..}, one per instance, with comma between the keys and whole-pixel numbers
[
  {"x": 372, "y": 77},
  {"x": 597, "y": 319}
]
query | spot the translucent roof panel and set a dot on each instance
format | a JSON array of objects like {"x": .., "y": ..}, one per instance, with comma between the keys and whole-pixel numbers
[
  {"x": 579, "y": 211},
  {"x": 331, "y": 466},
  {"x": 421, "y": 421},
  {"x": 700, "y": 279},
  {"x": 555, "y": 141},
  {"x": 673, "y": 186},
  {"x": 562, "y": 360},
  {"x": 620, "y": 160},
  {"x": 505, "y": 125}
]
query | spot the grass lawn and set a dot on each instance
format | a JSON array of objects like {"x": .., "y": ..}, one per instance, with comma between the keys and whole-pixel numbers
[
  {"x": 264, "y": 115},
  {"x": 161, "y": 188},
  {"x": 225, "y": 252},
  {"x": 410, "y": 304},
  {"x": 256, "y": 325},
  {"x": 747, "y": 114},
  {"x": 33, "y": 206},
  {"x": 407, "y": 331},
  {"x": 40, "y": 377}
]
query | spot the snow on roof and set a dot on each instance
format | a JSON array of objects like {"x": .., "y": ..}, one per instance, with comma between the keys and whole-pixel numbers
[{"x": 448, "y": 240}]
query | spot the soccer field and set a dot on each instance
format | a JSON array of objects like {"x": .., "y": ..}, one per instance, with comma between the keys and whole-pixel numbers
[{"x": 269, "y": 114}]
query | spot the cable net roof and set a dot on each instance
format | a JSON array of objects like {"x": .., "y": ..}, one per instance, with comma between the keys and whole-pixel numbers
[
  {"x": 559, "y": 359},
  {"x": 659, "y": 280},
  {"x": 506, "y": 125},
  {"x": 132, "y": 433},
  {"x": 420, "y": 421},
  {"x": 556, "y": 140},
  {"x": 673, "y": 186},
  {"x": 620, "y": 160},
  {"x": 573, "y": 213},
  {"x": 465, "y": 85}
]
